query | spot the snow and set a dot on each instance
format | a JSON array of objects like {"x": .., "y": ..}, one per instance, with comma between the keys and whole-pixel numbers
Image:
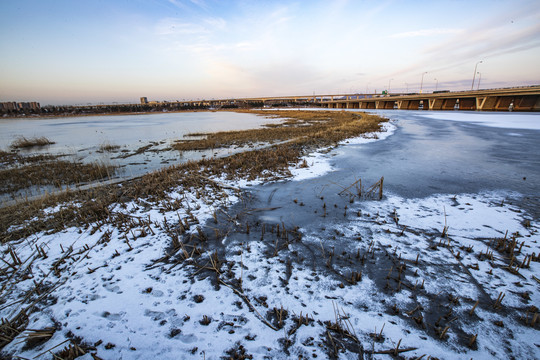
[
  {"x": 320, "y": 161},
  {"x": 111, "y": 289}
]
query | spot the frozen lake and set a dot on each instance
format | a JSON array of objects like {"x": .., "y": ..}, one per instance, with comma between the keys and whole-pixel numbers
[
  {"x": 430, "y": 152},
  {"x": 412, "y": 267},
  {"x": 75, "y": 133},
  {"x": 81, "y": 137}
]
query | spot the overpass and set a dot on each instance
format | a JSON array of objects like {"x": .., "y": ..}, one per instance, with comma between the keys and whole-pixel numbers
[
  {"x": 516, "y": 99},
  {"x": 526, "y": 98}
]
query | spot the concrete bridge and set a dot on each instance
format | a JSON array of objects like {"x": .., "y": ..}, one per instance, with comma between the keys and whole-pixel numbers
[
  {"x": 516, "y": 99},
  {"x": 525, "y": 98}
]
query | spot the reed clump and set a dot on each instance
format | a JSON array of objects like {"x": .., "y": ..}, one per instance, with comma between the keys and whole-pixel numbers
[
  {"x": 93, "y": 205},
  {"x": 54, "y": 173},
  {"x": 318, "y": 128},
  {"x": 23, "y": 142},
  {"x": 108, "y": 147},
  {"x": 13, "y": 158}
]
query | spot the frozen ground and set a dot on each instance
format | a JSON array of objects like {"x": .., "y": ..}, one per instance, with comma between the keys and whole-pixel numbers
[{"x": 310, "y": 268}]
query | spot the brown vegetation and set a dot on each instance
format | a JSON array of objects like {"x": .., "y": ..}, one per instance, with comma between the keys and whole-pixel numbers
[
  {"x": 309, "y": 129},
  {"x": 24, "y": 142},
  {"x": 318, "y": 128},
  {"x": 108, "y": 147},
  {"x": 51, "y": 173}
]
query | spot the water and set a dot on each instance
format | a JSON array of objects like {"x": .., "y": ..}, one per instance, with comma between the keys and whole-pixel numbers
[
  {"x": 449, "y": 152},
  {"x": 92, "y": 131},
  {"x": 430, "y": 153},
  {"x": 81, "y": 137}
]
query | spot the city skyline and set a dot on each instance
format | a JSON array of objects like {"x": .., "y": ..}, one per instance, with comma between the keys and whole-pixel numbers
[{"x": 66, "y": 52}]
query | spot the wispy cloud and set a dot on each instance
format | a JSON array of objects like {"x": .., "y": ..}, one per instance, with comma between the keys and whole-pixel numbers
[
  {"x": 182, "y": 4},
  {"x": 171, "y": 26},
  {"x": 426, "y": 32},
  {"x": 199, "y": 3},
  {"x": 504, "y": 33}
]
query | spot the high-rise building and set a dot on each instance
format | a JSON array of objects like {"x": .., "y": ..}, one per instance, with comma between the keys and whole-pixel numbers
[
  {"x": 12, "y": 105},
  {"x": 144, "y": 100}
]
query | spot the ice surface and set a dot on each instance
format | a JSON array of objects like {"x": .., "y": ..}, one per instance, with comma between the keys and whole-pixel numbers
[
  {"x": 529, "y": 121},
  {"x": 423, "y": 263}
]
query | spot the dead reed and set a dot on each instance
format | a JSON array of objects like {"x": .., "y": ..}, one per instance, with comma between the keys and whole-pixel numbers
[
  {"x": 325, "y": 129},
  {"x": 23, "y": 142},
  {"x": 319, "y": 128},
  {"x": 52, "y": 173},
  {"x": 108, "y": 147}
]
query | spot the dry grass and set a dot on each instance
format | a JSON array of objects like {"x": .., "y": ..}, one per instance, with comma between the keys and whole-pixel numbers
[
  {"x": 323, "y": 127},
  {"x": 51, "y": 172},
  {"x": 12, "y": 158},
  {"x": 326, "y": 129},
  {"x": 108, "y": 147},
  {"x": 23, "y": 142}
]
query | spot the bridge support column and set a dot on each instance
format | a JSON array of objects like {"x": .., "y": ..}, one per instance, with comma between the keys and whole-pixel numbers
[
  {"x": 487, "y": 103},
  {"x": 403, "y": 104},
  {"x": 442, "y": 104}
]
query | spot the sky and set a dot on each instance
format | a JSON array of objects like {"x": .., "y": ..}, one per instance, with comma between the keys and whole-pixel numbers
[{"x": 107, "y": 51}]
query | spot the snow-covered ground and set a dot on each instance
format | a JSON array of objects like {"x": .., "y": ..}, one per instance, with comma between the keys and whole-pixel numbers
[{"x": 446, "y": 276}]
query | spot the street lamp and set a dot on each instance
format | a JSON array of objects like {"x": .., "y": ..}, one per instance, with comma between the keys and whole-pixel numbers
[
  {"x": 389, "y": 81},
  {"x": 407, "y": 86},
  {"x": 367, "y": 87},
  {"x": 479, "y": 79},
  {"x": 422, "y": 82},
  {"x": 474, "y": 74},
  {"x": 436, "y": 83}
]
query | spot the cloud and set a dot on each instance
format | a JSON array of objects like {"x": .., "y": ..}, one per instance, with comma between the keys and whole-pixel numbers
[
  {"x": 493, "y": 37},
  {"x": 199, "y": 3},
  {"x": 426, "y": 32},
  {"x": 170, "y": 26},
  {"x": 215, "y": 22},
  {"x": 476, "y": 45}
]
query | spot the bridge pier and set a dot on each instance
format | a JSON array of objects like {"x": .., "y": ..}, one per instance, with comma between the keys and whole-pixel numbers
[
  {"x": 442, "y": 104},
  {"x": 487, "y": 103},
  {"x": 384, "y": 104}
]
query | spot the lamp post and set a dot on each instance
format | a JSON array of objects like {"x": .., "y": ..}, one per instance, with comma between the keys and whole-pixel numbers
[
  {"x": 389, "y": 81},
  {"x": 436, "y": 83},
  {"x": 367, "y": 87},
  {"x": 474, "y": 74},
  {"x": 407, "y": 87},
  {"x": 479, "y": 79},
  {"x": 422, "y": 82}
]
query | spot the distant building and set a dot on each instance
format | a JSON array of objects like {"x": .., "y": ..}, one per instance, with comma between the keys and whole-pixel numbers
[
  {"x": 12, "y": 105},
  {"x": 9, "y": 105},
  {"x": 144, "y": 100}
]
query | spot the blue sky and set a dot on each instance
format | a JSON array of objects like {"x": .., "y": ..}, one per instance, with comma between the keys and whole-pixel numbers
[{"x": 78, "y": 52}]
